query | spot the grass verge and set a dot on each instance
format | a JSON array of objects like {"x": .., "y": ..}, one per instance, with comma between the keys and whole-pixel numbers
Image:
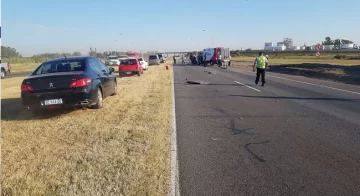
[
  {"x": 26, "y": 67},
  {"x": 122, "y": 149}
]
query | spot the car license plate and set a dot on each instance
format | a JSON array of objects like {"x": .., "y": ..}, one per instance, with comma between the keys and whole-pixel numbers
[
  {"x": 53, "y": 102},
  {"x": 129, "y": 72}
]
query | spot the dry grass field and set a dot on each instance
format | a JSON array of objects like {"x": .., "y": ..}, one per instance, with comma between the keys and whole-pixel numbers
[
  {"x": 26, "y": 67},
  {"x": 301, "y": 60},
  {"x": 122, "y": 149}
]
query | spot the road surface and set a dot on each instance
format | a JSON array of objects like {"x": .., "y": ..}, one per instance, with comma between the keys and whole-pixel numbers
[
  {"x": 20, "y": 74},
  {"x": 292, "y": 137}
]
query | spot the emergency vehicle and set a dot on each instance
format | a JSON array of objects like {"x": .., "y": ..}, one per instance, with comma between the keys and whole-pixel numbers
[
  {"x": 211, "y": 55},
  {"x": 133, "y": 55}
]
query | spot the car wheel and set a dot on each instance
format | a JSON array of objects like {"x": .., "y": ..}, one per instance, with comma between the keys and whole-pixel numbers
[
  {"x": 99, "y": 103},
  {"x": 120, "y": 75},
  {"x": 139, "y": 73},
  {"x": 115, "y": 89},
  {"x": 3, "y": 73}
]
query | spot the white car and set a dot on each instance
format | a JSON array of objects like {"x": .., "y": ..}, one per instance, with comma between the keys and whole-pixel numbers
[
  {"x": 143, "y": 63},
  {"x": 112, "y": 60},
  {"x": 122, "y": 57}
]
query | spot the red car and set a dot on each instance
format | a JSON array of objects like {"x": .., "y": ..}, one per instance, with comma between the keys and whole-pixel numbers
[{"x": 130, "y": 66}]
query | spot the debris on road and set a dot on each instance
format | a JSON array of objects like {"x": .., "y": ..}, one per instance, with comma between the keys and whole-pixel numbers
[
  {"x": 192, "y": 82},
  {"x": 210, "y": 72}
]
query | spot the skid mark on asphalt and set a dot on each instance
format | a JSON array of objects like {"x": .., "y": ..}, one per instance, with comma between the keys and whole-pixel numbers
[
  {"x": 259, "y": 158},
  {"x": 238, "y": 131}
]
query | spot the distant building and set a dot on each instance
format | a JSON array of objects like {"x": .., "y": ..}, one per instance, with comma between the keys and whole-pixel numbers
[
  {"x": 288, "y": 43},
  {"x": 328, "y": 47},
  {"x": 270, "y": 46},
  {"x": 296, "y": 48},
  {"x": 347, "y": 46}
]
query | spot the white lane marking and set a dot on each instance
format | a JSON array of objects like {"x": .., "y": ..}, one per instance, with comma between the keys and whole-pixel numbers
[
  {"x": 174, "y": 165},
  {"x": 310, "y": 83},
  {"x": 247, "y": 86}
]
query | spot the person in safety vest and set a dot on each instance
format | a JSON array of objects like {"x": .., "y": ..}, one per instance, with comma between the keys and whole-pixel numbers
[{"x": 261, "y": 63}]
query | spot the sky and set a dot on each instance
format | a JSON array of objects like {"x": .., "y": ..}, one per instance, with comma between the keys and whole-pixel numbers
[{"x": 40, "y": 26}]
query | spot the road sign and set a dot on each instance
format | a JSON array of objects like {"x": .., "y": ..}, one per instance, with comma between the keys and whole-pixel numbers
[
  {"x": 317, "y": 54},
  {"x": 318, "y": 47}
]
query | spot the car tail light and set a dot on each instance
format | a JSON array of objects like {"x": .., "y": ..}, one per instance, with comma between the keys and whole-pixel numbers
[
  {"x": 80, "y": 83},
  {"x": 26, "y": 88}
]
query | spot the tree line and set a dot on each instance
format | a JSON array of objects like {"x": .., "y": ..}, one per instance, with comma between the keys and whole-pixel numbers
[{"x": 11, "y": 53}]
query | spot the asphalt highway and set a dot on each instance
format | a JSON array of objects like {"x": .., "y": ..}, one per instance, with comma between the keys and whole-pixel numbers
[{"x": 295, "y": 136}]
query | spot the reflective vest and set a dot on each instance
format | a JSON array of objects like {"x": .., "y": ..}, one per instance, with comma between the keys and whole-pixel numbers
[{"x": 261, "y": 62}]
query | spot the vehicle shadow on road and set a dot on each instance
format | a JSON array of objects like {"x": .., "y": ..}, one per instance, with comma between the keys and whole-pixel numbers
[
  {"x": 12, "y": 110},
  {"x": 299, "y": 98}
]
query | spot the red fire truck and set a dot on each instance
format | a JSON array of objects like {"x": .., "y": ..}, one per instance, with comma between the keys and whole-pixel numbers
[{"x": 133, "y": 54}]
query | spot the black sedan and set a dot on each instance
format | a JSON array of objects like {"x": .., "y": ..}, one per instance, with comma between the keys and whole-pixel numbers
[{"x": 68, "y": 82}]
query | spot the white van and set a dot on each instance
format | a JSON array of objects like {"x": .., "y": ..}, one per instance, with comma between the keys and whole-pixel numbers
[
  {"x": 154, "y": 59},
  {"x": 162, "y": 58}
]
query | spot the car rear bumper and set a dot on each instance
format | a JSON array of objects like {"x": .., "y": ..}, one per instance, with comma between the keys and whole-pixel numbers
[
  {"x": 154, "y": 62},
  {"x": 128, "y": 70},
  {"x": 70, "y": 98}
]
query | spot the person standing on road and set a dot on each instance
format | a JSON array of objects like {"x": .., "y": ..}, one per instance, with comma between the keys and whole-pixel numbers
[
  {"x": 219, "y": 60},
  {"x": 182, "y": 59},
  {"x": 261, "y": 62},
  {"x": 229, "y": 60},
  {"x": 174, "y": 59}
]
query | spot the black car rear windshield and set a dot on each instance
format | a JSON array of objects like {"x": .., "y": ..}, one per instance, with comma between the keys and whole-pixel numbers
[
  {"x": 129, "y": 62},
  {"x": 60, "y": 66},
  {"x": 160, "y": 55},
  {"x": 153, "y": 57}
]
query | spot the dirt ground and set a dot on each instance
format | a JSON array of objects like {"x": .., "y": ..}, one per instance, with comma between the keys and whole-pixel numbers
[{"x": 343, "y": 74}]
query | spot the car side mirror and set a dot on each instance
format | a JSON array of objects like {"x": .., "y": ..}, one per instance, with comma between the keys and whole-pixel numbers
[{"x": 111, "y": 70}]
